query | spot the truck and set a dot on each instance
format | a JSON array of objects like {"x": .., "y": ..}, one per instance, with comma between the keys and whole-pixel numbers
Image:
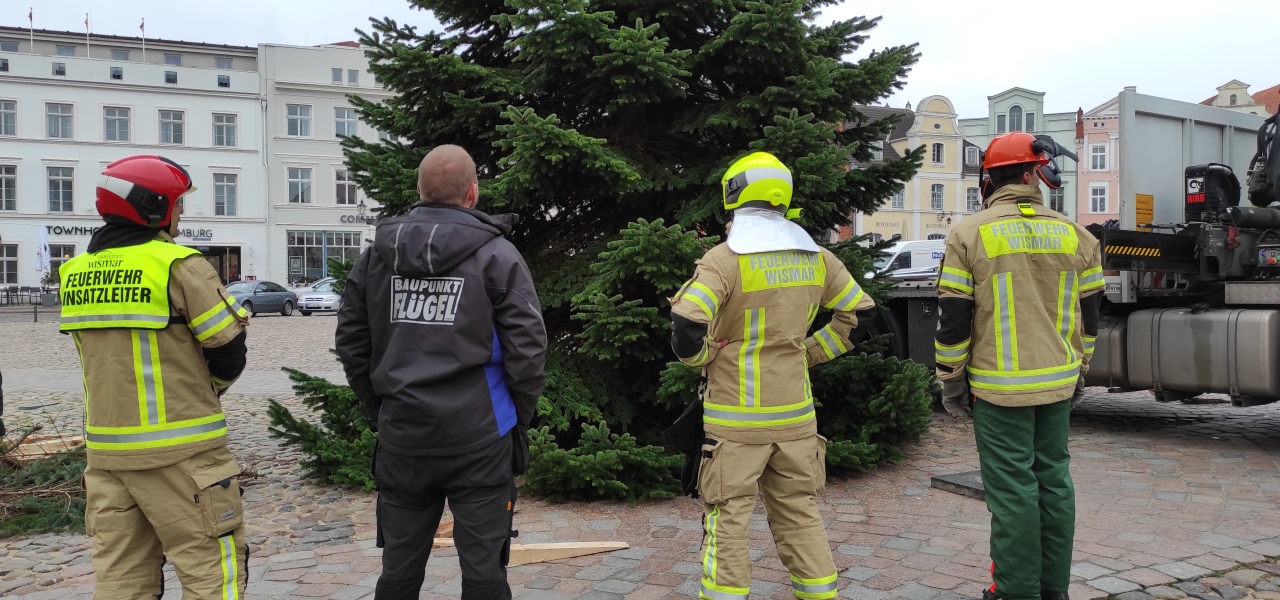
[{"x": 1192, "y": 301}]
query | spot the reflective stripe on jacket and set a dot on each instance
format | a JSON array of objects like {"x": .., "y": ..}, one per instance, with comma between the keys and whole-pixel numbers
[
  {"x": 1025, "y": 267},
  {"x": 763, "y": 305},
  {"x": 150, "y": 400}
]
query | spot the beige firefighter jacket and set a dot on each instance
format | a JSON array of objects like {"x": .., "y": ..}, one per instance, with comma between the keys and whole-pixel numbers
[
  {"x": 1026, "y": 268},
  {"x": 137, "y": 378},
  {"x": 763, "y": 305}
]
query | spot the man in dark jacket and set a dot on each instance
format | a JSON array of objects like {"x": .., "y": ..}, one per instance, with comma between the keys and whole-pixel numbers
[{"x": 441, "y": 336}]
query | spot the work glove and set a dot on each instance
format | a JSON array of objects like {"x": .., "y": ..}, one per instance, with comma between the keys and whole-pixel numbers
[
  {"x": 955, "y": 397},
  {"x": 221, "y": 386},
  {"x": 1079, "y": 393}
]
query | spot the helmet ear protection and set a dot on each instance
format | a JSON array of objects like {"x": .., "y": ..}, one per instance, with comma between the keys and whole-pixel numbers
[{"x": 1048, "y": 172}]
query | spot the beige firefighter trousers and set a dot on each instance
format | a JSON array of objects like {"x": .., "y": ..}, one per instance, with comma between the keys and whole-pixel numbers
[
  {"x": 788, "y": 475},
  {"x": 190, "y": 512}
]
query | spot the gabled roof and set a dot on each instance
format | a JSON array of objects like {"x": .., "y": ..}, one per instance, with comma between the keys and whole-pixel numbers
[
  {"x": 1015, "y": 89},
  {"x": 1269, "y": 98},
  {"x": 1110, "y": 106},
  {"x": 905, "y": 120}
]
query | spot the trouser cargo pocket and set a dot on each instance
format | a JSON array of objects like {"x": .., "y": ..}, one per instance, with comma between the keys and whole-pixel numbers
[
  {"x": 218, "y": 497},
  {"x": 710, "y": 472}
]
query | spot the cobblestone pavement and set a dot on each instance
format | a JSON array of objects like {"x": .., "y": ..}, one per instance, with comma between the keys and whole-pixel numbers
[{"x": 1167, "y": 493}]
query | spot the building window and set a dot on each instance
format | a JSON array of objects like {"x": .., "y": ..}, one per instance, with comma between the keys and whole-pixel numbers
[
  {"x": 1058, "y": 200},
  {"x": 66, "y": 50},
  {"x": 346, "y": 188},
  {"x": 171, "y": 77},
  {"x": 4, "y": 64},
  {"x": 1232, "y": 100},
  {"x": 308, "y": 250},
  {"x": 299, "y": 116},
  {"x": 8, "y": 187},
  {"x": 937, "y": 154},
  {"x": 173, "y": 59},
  {"x": 386, "y": 137},
  {"x": 223, "y": 62},
  {"x": 117, "y": 73},
  {"x": 8, "y": 117},
  {"x": 299, "y": 186},
  {"x": 1097, "y": 199},
  {"x": 1098, "y": 157},
  {"x": 58, "y": 118},
  {"x": 1015, "y": 118},
  {"x": 60, "y": 69},
  {"x": 899, "y": 200},
  {"x": 1000, "y": 123},
  {"x": 60, "y": 253},
  {"x": 60, "y": 179},
  {"x": 935, "y": 196},
  {"x": 116, "y": 124},
  {"x": 337, "y": 76},
  {"x": 972, "y": 199},
  {"x": 353, "y": 77},
  {"x": 224, "y": 81},
  {"x": 1031, "y": 121},
  {"x": 224, "y": 194},
  {"x": 8, "y": 46},
  {"x": 971, "y": 156},
  {"x": 344, "y": 122},
  {"x": 119, "y": 55},
  {"x": 877, "y": 150},
  {"x": 171, "y": 127},
  {"x": 8, "y": 263},
  {"x": 224, "y": 130}
]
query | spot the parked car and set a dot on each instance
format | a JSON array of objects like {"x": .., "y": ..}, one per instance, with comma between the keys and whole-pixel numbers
[
  {"x": 264, "y": 296},
  {"x": 309, "y": 286},
  {"x": 320, "y": 298}
]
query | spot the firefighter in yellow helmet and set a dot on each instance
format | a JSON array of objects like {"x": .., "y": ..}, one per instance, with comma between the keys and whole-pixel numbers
[
  {"x": 744, "y": 319},
  {"x": 160, "y": 340},
  {"x": 1019, "y": 297}
]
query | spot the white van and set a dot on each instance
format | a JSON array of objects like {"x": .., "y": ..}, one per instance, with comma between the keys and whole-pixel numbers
[{"x": 911, "y": 256}]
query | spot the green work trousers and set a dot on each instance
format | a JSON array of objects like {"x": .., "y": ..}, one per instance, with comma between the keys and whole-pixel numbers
[{"x": 1025, "y": 470}]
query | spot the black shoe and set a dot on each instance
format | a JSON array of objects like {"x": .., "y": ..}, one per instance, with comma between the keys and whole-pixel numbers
[
  {"x": 1048, "y": 595},
  {"x": 989, "y": 595}
]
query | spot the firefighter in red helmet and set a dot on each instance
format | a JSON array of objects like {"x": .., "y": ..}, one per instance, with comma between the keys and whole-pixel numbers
[
  {"x": 1018, "y": 295},
  {"x": 160, "y": 341}
]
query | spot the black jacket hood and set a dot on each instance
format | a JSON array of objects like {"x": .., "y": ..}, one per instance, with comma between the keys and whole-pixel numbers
[{"x": 434, "y": 238}]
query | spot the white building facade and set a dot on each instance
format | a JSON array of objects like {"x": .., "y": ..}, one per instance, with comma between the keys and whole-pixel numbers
[
  {"x": 316, "y": 211},
  {"x": 68, "y": 109}
]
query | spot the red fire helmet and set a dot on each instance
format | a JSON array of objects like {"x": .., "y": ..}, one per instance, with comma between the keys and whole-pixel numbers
[{"x": 142, "y": 190}]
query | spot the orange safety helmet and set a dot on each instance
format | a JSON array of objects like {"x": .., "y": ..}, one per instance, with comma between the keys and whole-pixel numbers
[
  {"x": 1011, "y": 149},
  {"x": 142, "y": 190}
]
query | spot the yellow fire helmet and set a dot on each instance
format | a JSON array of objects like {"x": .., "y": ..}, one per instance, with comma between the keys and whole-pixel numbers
[{"x": 758, "y": 177}]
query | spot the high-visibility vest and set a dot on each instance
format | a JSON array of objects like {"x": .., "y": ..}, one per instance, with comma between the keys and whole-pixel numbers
[
  {"x": 124, "y": 287},
  {"x": 128, "y": 288}
]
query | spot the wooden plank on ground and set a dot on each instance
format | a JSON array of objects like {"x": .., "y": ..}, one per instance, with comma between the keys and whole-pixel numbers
[
  {"x": 40, "y": 446},
  {"x": 523, "y": 554},
  {"x": 445, "y": 530}
]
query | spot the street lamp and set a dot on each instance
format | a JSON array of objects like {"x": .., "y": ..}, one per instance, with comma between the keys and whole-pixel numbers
[{"x": 360, "y": 208}]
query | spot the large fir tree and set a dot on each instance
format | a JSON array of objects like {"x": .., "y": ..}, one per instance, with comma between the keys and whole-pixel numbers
[{"x": 606, "y": 125}]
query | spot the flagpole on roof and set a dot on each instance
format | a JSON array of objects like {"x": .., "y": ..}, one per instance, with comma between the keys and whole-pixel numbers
[
  {"x": 31, "y": 28},
  {"x": 143, "y": 27},
  {"x": 88, "y": 49}
]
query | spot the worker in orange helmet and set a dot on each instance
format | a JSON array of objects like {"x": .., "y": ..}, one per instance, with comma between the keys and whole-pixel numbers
[{"x": 1018, "y": 300}]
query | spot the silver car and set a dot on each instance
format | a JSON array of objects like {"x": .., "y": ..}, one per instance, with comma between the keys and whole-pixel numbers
[{"x": 320, "y": 298}]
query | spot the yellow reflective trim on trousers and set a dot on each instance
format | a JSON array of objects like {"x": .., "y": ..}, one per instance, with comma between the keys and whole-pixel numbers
[
  {"x": 230, "y": 569},
  {"x": 1066, "y": 318},
  {"x": 821, "y": 587},
  {"x": 749, "y": 358},
  {"x": 1005, "y": 322},
  {"x": 1032, "y": 379},
  {"x": 709, "y": 553},
  {"x": 711, "y": 591},
  {"x": 1028, "y": 236},
  {"x": 956, "y": 279}
]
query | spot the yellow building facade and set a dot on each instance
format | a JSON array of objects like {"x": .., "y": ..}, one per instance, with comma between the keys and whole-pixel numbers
[{"x": 944, "y": 190}]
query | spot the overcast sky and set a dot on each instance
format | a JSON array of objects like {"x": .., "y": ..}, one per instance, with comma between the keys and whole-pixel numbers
[{"x": 1080, "y": 52}]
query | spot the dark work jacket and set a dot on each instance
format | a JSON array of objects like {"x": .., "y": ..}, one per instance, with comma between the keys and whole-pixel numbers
[{"x": 440, "y": 332}]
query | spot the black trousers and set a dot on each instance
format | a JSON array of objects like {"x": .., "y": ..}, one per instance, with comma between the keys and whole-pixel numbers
[{"x": 412, "y": 491}]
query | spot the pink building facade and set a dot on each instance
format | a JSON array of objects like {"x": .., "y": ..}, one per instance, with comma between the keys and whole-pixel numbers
[{"x": 1098, "y": 171}]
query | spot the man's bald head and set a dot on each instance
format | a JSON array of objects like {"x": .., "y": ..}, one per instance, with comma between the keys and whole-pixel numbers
[{"x": 447, "y": 175}]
